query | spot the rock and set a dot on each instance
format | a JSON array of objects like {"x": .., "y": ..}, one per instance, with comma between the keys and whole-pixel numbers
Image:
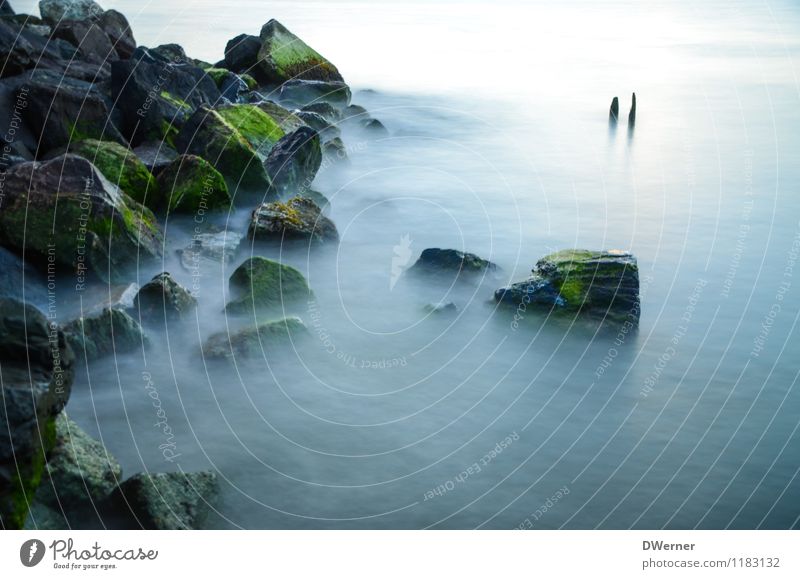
[
  {"x": 93, "y": 43},
  {"x": 111, "y": 331},
  {"x": 54, "y": 11},
  {"x": 613, "y": 113},
  {"x": 287, "y": 120},
  {"x": 601, "y": 283},
  {"x": 328, "y": 112},
  {"x": 317, "y": 122},
  {"x": 632, "y": 114},
  {"x": 36, "y": 371},
  {"x": 208, "y": 135},
  {"x": 155, "y": 95},
  {"x": 259, "y": 128},
  {"x": 119, "y": 165},
  {"x": 119, "y": 32},
  {"x": 233, "y": 87},
  {"x": 335, "y": 149},
  {"x": 254, "y": 342},
  {"x": 171, "y": 52},
  {"x": 219, "y": 247},
  {"x": 308, "y": 92},
  {"x": 442, "y": 308},
  {"x": 294, "y": 161},
  {"x": 451, "y": 262},
  {"x": 42, "y": 518},
  {"x": 16, "y": 54},
  {"x": 298, "y": 219},
  {"x": 318, "y": 198},
  {"x": 190, "y": 184},
  {"x": 355, "y": 112},
  {"x": 80, "y": 474},
  {"x": 156, "y": 156},
  {"x": 65, "y": 212},
  {"x": 375, "y": 128},
  {"x": 241, "y": 53},
  {"x": 168, "y": 501},
  {"x": 62, "y": 109},
  {"x": 262, "y": 284},
  {"x": 20, "y": 280},
  {"x": 6, "y": 9},
  {"x": 283, "y": 56},
  {"x": 162, "y": 299}
]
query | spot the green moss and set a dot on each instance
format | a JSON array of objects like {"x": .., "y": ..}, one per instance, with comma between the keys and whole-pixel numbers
[
  {"x": 28, "y": 477},
  {"x": 180, "y": 103},
  {"x": 218, "y": 75},
  {"x": 252, "y": 84},
  {"x": 192, "y": 183},
  {"x": 256, "y": 126},
  {"x": 265, "y": 284},
  {"x": 119, "y": 165}
]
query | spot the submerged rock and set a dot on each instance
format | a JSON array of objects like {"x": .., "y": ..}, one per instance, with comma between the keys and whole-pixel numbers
[
  {"x": 450, "y": 262},
  {"x": 162, "y": 299},
  {"x": 613, "y": 113},
  {"x": 190, "y": 184},
  {"x": 262, "y": 284},
  {"x": 294, "y": 161},
  {"x": 254, "y": 342},
  {"x": 121, "y": 166},
  {"x": 298, "y": 219},
  {"x": 36, "y": 366},
  {"x": 442, "y": 308},
  {"x": 601, "y": 283},
  {"x": 80, "y": 474},
  {"x": 168, "y": 501},
  {"x": 208, "y": 135},
  {"x": 111, "y": 331},
  {"x": 219, "y": 247},
  {"x": 65, "y": 212},
  {"x": 283, "y": 56},
  {"x": 309, "y": 92},
  {"x": 632, "y": 114}
]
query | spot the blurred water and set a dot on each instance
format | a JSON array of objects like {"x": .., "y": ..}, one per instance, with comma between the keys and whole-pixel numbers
[{"x": 500, "y": 145}]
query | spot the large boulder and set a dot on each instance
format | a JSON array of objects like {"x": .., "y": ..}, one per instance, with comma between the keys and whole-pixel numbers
[
  {"x": 54, "y": 11},
  {"x": 601, "y": 283},
  {"x": 241, "y": 53},
  {"x": 110, "y": 331},
  {"x": 450, "y": 263},
  {"x": 298, "y": 219},
  {"x": 283, "y": 56},
  {"x": 254, "y": 342},
  {"x": 190, "y": 184},
  {"x": 80, "y": 474},
  {"x": 116, "y": 27},
  {"x": 5, "y": 8},
  {"x": 293, "y": 162},
  {"x": 64, "y": 212},
  {"x": 20, "y": 280},
  {"x": 286, "y": 119},
  {"x": 16, "y": 53},
  {"x": 156, "y": 95},
  {"x": 263, "y": 284},
  {"x": 307, "y": 92},
  {"x": 156, "y": 155},
  {"x": 256, "y": 126},
  {"x": 119, "y": 165},
  {"x": 208, "y": 135},
  {"x": 162, "y": 299},
  {"x": 93, "y": 43},
  {"x": 36, "y": 367},
  {"x": 63, "y": 109},
  {"x": 168, "y": 501}
]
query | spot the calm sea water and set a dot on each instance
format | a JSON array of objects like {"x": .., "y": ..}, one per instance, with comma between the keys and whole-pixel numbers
[{"x": 500, "y": 145}]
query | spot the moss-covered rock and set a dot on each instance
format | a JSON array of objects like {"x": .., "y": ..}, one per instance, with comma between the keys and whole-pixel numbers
[
  {"x": 36, "y": 371},
  {"x": 162, "y": 299},
  {"x": 208, "y": 135},
  {"x": 190, "y": 184},
  {"x": 286, "y": 119},
  {"x": 450, "y": 263},
  {"x": 263, "y": 284},
  {"x": 284, "y": 56},
  {"x": 298, "y": 219},
  {"x": 111, "y": 331},
  {"x": 121, "y": 166},
  {"x": 254, "y": 342},
  {"x": 65, "y": 212},
  {"x": 601, "y": 283},
  {"x": 259, "y": 128}
]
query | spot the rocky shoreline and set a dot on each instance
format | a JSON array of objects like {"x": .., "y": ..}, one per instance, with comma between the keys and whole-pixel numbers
[{"x": 104, "y": 139}]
